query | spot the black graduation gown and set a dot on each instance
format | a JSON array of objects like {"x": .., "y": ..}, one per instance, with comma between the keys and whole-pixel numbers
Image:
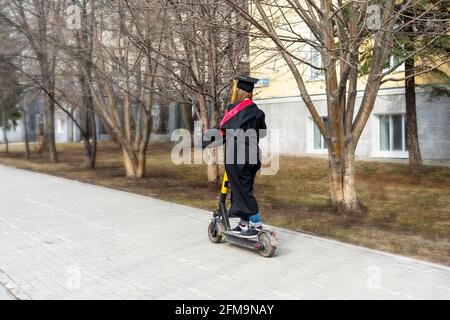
[{"x": 241, "y": 173}]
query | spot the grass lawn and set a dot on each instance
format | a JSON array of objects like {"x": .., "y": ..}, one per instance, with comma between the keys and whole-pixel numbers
[{"x": 406, "y": 214}]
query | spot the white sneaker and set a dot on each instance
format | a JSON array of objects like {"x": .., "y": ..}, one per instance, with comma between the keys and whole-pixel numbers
[{"x": 240, "y": 228}]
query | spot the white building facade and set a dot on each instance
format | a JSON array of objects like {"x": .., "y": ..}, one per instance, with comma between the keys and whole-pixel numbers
[{"x": 384, "y": 135}]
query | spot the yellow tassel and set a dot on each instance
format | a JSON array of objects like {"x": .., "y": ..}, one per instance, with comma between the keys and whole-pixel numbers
[{"x": 225, "y": 176}]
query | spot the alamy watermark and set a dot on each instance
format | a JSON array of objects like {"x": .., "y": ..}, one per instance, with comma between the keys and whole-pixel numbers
[
  {"x": 73, "y": 17},
  {"x": 74, "y": 277},
  {"x": 373, "y": 17},
  {"x": 374, "y": 278},
  {"x": 242, "y": 147}
]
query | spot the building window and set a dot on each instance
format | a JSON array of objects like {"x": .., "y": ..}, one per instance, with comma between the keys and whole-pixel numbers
[
  {"x": 393, "y": 133},
  {"x": 314, "y": 57},
  {"x": 319, "y": 141},
  {"x": 263, "y": 82},
  {"x": 316, "y": 60},
  {"x": 392, "y": 62}
]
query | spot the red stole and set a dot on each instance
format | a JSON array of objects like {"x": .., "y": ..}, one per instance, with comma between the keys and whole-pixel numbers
[{"x": 230, "y": 114}]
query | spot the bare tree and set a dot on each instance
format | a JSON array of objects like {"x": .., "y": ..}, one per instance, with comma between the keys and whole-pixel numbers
[
  {"x": 340, "y": 30},
  {"x": 425, "y": 17},
  {"x": 28, "y": 96},
  {"x": 9, "y": 93},
  {"x": 84, "y": 46},
  {"x": 9, "y": 80},
  {"x": 420, "y": 27},
  {"x": 121, "y": 74},
  {"x": 34, "y": 20},
  {"x": 201, "y": 55}
]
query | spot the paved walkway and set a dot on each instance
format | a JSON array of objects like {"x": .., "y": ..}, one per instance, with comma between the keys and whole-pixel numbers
[{"x": 62, "y": 239}]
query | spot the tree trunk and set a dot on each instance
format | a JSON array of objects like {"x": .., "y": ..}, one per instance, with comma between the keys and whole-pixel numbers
[
  {"x": 350, "y": 202},
  {"x": 186, "y": 116},
  {"x": 89, "y": 152},
  {"x": 141, "y": 160},
  {"x": 213, "y": 174},
  {"x": 85, "y": 44},
  {"x": 335, "y": 177},
  {"x": 49, "y": 128},
  {"x": 127, "y": 115},
  {"x": 415, "y": 158},
  {"x": 187, "y": 119},
  {"x": 342, "y": 182},
  {"x": 70, "y": 125},
  {"x": 140, "y": 171},
  {"x": 5, "y": 136},
  {"x": 212, "y": 168},
  {"x": 213, "y": 165},
  {"x": 138, "y": 129},
  {"x": 142, "y": 153},
  {"x": 129, "y": 163},
  {"x": 93, "y": 158},
  {"x": 90, "y": 129},
  {"x": 48, "y": 72},
  {"x": 25, "y": 133}
]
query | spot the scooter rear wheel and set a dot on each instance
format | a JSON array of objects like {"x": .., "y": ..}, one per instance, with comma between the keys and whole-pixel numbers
[
  {"x": 214, "y": 233},
  {"x": 267, "y": 250}
]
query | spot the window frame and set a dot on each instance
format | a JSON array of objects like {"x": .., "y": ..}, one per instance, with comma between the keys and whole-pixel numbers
[
  {"x": 310, "y": 143},
  {"x": 392, "y": 62},
  {"x": 310, "y": 73},
  {"x": 376, "y": 141}
]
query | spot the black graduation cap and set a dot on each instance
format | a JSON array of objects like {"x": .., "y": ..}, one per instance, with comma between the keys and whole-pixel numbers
[{"x": 246, "y": 83}]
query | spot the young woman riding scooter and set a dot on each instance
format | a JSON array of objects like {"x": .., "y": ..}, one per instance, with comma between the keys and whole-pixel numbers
[{"x": 242, "y": 126}]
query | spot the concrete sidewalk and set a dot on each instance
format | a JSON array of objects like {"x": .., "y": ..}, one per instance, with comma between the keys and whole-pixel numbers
[{"x": 62, "y": 239}]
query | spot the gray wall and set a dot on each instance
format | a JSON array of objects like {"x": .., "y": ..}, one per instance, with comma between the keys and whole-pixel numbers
[
  {"x": 291, "y": 117},
  {"x": 13, "y": 134}
]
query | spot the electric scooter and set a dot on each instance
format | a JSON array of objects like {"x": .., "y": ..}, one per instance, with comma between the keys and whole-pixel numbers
[{"x": 219, "y": 229}]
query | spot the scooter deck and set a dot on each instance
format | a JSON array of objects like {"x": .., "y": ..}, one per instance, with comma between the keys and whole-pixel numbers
[{"x": 252, "y": 243}]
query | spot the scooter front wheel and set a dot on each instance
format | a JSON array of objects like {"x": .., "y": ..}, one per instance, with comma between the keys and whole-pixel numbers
[
  {"x": 214, "y": 233},
  {"x": 267, "y": 248}
]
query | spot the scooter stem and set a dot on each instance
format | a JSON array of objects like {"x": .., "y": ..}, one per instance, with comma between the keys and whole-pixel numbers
[
  {"x": 225, "y": 182},
  {"x": 222, "y": 202}
]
